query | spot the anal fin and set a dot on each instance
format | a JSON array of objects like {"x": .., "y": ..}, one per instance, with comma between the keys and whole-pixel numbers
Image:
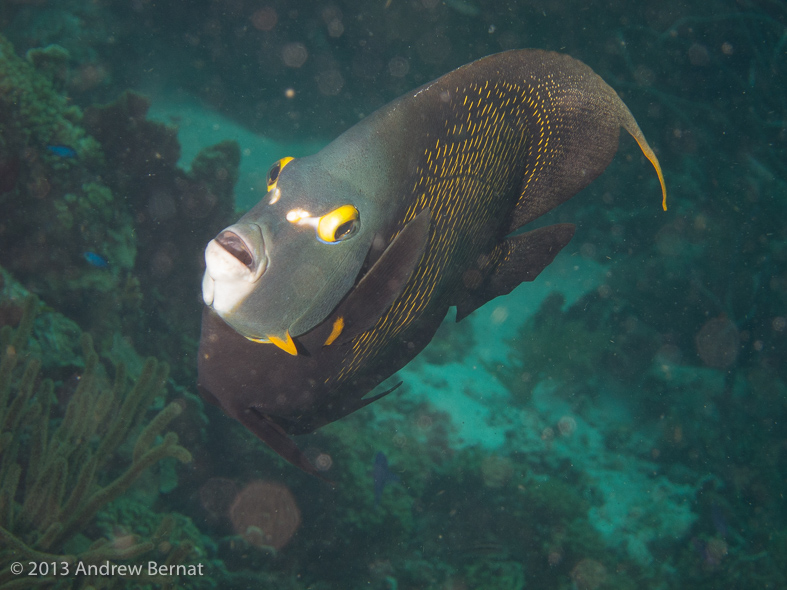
[{"x": 521, "y": 258}]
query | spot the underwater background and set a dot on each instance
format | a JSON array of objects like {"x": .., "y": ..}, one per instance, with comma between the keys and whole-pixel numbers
[{"x": 619, "y": 423}]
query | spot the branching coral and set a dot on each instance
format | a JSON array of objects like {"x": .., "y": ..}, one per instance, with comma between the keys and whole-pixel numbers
[{"x": 51, "y": 486}]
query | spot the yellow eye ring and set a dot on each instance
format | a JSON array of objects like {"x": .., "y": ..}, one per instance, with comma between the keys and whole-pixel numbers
[
  {"x": 339, "y": 224},
  {"x": 273, "y": 173}
]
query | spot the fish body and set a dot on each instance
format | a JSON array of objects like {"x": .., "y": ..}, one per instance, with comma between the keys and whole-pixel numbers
[
  {"x": 95, "y": 259},
  {"x": 343, "y": 272},
  {"x": 62, "y": 151},
  {"x": 382, "y": 476}
]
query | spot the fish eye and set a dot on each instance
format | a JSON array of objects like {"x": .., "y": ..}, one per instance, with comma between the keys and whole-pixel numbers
[
  {"x": 273, "y": 173},
  {"x": 339, "y": 224}
]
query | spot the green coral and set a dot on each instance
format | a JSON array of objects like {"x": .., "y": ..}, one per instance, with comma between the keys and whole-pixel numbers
[
  {"x": 51, "y": 470},
  {"x": 33, "y": 115},
  {"x": 56, "y": 208}
]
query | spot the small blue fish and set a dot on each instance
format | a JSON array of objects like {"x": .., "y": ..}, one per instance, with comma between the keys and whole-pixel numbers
[
  {"x": 63, "y": 151},
  {"x": 96, "y": 260},
  {"x": 382, "y": 476},
  {"x": 719, "y": 522}
]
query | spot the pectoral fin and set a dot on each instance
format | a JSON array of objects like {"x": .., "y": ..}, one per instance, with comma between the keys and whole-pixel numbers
[
  {"x": 378, "y": 288},
  {"x": 520, "y": 258}
]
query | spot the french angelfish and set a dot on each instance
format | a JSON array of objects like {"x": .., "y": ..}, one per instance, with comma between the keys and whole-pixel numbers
[{"x": 343, "y": 272}]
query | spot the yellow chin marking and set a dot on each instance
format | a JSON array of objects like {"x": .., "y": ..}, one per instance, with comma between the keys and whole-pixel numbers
[
  {"x": 286, "y": 344},
  {"x": 338, "y": 326}
]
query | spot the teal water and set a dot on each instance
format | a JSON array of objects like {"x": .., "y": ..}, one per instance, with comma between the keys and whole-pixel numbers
[{"x": 617, "y": 423}]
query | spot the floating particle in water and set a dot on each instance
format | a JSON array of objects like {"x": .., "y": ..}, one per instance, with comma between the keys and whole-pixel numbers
[
  {"x": 463, "y": 7},
  {"x": 163, "y": 261},
  {"x": 588, "y": 574},
  {"x": 434, "y": 47},
  {"x": 554, "y": 558},
  {"x": 499, "y": 315},
  {"x": 567, "y": 425},
  {"x": 161, "y": 205},
  {"x": 398, "y": 66},
  {"x": 496, "y": 471},
  {"x": 330, "y": 82},
  {"x": 88, "y": 76},
  {"x": 718, "y": 343},
  {"x": 424, "y": 422},
  {"x": 698, "y": 55},
  {"x": 216, "y": 496},
  {"x": 38, "y": 187},
  {"x": 265, "y": 18},
  {"x": 323, "y": 462},
  {"x": 333, "y": 20},
  {"x": 472, "y": 279},
  {"x": 294, "y": 55},
  {"x": 265, "y": 514}
]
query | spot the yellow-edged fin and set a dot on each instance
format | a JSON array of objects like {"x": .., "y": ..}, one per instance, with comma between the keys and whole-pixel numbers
[
  {"x": 258, "y": 340},
  {"x": 630, "y": 125},
  {"x": 643, "y": 145},
  {"x": 287, "y": 344},
  {"x": 338, "y": 326}
]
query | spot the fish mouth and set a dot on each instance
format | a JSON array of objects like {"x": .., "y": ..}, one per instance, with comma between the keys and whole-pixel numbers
[
  {"x": 234, "y": 262},
  {"x": 238, "y": 250},
  {"x": 235, "y": 245}
]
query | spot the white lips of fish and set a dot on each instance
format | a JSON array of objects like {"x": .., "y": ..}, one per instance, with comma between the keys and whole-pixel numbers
[{"x": 227, "y": 280}]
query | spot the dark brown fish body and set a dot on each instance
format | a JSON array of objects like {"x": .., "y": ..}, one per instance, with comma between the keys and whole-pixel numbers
[{"x": 429, "y": 189}]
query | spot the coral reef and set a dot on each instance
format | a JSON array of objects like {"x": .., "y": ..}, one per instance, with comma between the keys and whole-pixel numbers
[
  {"x": 54, "y": 477},
  {"x": 125, "y": 228}
]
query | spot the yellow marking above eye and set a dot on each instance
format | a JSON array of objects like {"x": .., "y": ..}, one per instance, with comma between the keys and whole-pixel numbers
[
  {"x": 339, "y": 224},
  {"x": 332, "y": 227},
  {"x": 273, "y": 173}
]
